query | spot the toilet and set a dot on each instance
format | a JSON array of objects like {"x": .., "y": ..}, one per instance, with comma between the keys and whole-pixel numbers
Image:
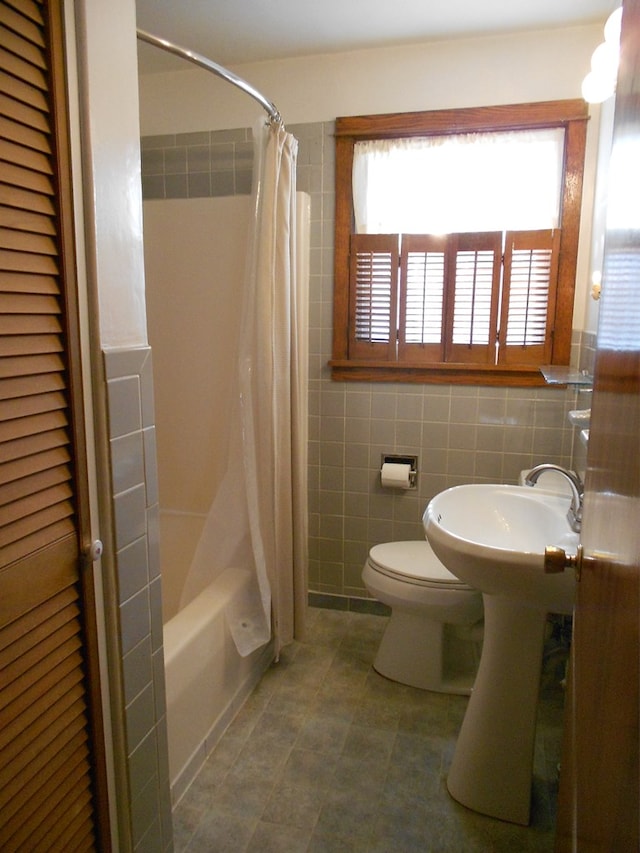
[{"x": 434, "y": 634}]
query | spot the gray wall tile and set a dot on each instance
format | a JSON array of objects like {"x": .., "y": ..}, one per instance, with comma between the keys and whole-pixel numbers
[{"x": 134, "y": 482}]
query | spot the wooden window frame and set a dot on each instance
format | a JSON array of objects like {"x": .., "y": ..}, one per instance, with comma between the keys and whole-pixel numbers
[{"x": 572, "y": 116}]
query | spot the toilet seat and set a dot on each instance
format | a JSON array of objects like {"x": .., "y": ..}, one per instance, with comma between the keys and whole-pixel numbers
[{"x": 414, "y": 563}]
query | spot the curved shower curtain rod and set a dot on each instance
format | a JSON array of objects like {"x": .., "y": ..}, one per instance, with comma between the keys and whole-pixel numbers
[{"x": 218, "y": 70}]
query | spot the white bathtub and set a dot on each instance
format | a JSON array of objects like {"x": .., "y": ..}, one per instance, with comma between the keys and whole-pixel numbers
[{"x": 206, "y": 679}]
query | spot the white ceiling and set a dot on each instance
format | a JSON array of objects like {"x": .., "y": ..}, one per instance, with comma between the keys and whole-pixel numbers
[{"x": 232, "y": 32}]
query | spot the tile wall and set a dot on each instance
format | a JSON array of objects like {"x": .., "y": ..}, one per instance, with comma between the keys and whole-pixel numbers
[
  {"x": 191, "y": 165},
  {"x": 460, "y": 434},
  {"x": 134, "y": 485},
  {"x": 584, "y": 361}
]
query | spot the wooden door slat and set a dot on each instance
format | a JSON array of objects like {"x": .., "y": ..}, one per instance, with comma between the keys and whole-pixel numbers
[
  {"x": 24, "y": 220},
  {"x": 19, "y": 636},
  {"x": 33, "y": 698},
  {"x": 23, "y": 92},
  {"x": 33, "y": 445},
  {"x": 30, "y": 658},
  {"x": 20, "y": 47},
  {"x": 17, "y": 67},
  {"x": 21, "y": 25},
  {"x": 78, "y": 835},
  {"x": 28, "y": 303},
  {"x": 26, "y": 199},
  {"x": 24, "y": 144},
  {"x": 57, "y": 529},
  {"x": 31, "y": 9},
  {"x": 25, "y": 387},
  {"x": 31, "y": 365},
  {"x": 19, "y": 112},
  {"x": 33, "y": 425},
  {"x": 31, "y": 621},
  {"x": 28, "y": 242},
  {"x": 25, "y": 406},
  {"x": 68, "y": 708},
  {"x": 22, "y": 467},
  {"x": 32, "y": 827},
  {"x": 19, "y": 489},
  {"x": 26, "y": 768},
  {"x": 41, "y": 264},
  {"x": 27, "y": 179},
  {"x": 12, "y": 345},
  {"x": 11, "y": 535}
]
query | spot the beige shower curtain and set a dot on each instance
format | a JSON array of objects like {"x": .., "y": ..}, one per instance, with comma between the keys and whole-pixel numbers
[
  {"x": 258, "y": 518},
  {"x": 273, "y": 384}
]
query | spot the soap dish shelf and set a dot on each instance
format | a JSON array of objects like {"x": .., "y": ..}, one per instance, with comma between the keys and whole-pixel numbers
[
  {"x": 580, "y": 417},
  {"x": 562, "y": 375}
]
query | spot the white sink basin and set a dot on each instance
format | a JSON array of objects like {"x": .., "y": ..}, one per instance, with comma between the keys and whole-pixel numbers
[{"x": 493, "y": 537}]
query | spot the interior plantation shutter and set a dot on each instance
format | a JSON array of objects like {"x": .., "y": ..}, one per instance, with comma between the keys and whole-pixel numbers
[
  {"x": 422, "y": 298},
  {"x": 473, "y": 297},
  {"x": 373, "y": 296},
  {"x": 47, "y": 764},
  {"x": 528, "y": 297}
]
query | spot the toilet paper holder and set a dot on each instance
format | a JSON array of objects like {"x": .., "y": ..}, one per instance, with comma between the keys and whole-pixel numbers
[{"x": 400, "y": 459}]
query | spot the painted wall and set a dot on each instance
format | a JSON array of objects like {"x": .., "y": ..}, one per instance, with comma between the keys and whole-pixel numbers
[
  {"x": 503, "y": 69},
  {"x": 106, "y": 142},
  {"x": 112, "y": 145}
]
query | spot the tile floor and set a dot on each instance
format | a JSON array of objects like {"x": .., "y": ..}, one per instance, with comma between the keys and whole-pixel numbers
[{"x": 327, "y": 755}]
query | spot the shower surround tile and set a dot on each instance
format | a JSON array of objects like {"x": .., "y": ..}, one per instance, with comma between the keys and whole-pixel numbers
[
  {"x": 137, "y": 573},
  {"x": 196, "y": 165}
]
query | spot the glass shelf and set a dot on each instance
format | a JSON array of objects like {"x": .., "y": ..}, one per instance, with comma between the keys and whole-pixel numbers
[{"x": 558, "y": 375}]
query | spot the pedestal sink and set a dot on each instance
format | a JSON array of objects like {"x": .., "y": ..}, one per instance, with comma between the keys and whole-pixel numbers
[{"x": 493, "y": 537}]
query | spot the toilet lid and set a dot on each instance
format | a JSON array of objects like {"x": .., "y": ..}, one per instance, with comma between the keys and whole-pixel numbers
[{"x": 413, "y": 561}]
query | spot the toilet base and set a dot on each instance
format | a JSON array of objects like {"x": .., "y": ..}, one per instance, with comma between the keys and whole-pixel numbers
[{"x": 429, "y": 655}]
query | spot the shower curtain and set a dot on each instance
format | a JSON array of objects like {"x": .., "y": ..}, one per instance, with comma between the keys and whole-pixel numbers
[{"x": 258, "y": 518}]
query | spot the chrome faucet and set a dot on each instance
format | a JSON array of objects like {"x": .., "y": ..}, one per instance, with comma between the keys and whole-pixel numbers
[{"x": 574, "y": 514}]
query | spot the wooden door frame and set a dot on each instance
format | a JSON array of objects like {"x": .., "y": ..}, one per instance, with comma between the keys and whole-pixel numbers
[{"x": 100, "y": 680}]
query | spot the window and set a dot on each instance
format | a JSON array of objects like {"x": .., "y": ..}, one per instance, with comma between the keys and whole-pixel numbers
[{"x": 440, "y": 277}]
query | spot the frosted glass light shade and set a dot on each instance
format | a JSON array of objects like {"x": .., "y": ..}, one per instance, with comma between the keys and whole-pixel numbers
[
  {"x": 612, "y": 27},
  {"x": 596, "y": 88}
]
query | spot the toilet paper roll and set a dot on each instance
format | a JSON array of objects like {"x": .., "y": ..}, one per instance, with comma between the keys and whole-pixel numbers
[{"x": 395, "y": 475}]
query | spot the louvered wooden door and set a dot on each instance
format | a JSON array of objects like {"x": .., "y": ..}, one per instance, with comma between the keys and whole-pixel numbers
[{"x": 51, "y": 777}]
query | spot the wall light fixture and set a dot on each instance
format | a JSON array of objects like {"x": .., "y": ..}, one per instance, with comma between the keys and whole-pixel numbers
[{"x": 600, "y": 82}]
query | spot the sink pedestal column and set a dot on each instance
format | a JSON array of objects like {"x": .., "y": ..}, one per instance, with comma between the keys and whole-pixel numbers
[{"x": 492, "y": 766}]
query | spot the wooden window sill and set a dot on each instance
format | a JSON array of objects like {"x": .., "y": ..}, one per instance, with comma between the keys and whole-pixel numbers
[{"x": 449, "y": 373}]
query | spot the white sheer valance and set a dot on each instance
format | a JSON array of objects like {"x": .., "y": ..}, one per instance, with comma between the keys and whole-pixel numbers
[{"x": 461, "y": 182}]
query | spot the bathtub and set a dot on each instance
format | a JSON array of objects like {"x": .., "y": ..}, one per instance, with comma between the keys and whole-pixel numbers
[{"x": 207, "y": 681}]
